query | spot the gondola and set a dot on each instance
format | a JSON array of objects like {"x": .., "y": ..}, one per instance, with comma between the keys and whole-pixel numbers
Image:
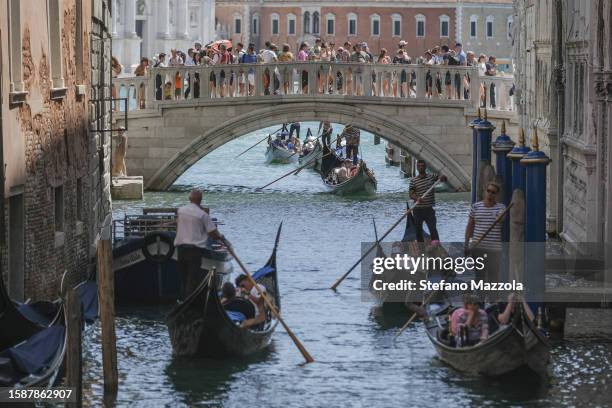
[
  {"x": 409, "y": 245},
  {"x": 362, "y": 182},
  {"x": 312, "y": 159},
  {"x": 144, "y": 258},
  {"x": 200, "y": 326},
  {"x": 32, "y": 342},
  {"x": 277, "y": 153},
  {"x": 508, "y": 347}
]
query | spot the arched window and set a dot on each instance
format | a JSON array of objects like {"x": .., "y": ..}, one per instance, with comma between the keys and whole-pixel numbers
[
  {"x": 237, "y": 23},
  {"x": 291, "y": 26},
  {"x": 331, "y": 23},
  {"x": 420, "y": 25},
  {"x": 490, "y": 32},
  {"x": 352, "y": 24},
  {"x": 396, "y": 25},
  {"x": 474, "y": 26},
  {"x": 315, "y": 23},
  {"x": 274, "y": 23},
  {"x": 444, "y": 25},
  {"x": 255, "y": 26},
  {"x": 375, "y": 25},
  {"x": 307, "y": 22},
  {"x": 509, "y": 26}
]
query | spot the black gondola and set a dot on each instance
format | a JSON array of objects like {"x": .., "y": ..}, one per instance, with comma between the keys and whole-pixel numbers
[
  {"x": 32, "y": 342},
  {"x": 362, "y": 182},
  {"x": 201, "y": 326},
  {"x": 508, "y": 348},
  {"x": 409, "y": 245}
]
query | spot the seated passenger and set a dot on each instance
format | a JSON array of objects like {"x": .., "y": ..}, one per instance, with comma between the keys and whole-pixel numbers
[
  {"x": 341, "y": 174},
  {"x": 251, "y": 293},
  {"x": 469, "y": 324},
  {"x": 505, "y": 316},
  {"x": 232, "y": 303},
  {"x": 296, "y": 143},
  {"x": 353, "y": 170}
]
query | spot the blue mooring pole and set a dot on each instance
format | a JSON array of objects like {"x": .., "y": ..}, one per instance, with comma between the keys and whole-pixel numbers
[
  {"x": 473, "y": 125},
  {"x": 485, "y": 132},
  {"x": 503, "y": 167},
  {"x": 535, "y": 163},
  {"x": 518, "y": 171}
]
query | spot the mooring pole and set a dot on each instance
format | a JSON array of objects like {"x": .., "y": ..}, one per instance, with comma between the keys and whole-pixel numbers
[
  {"x": 473, "y": 125},
  {"x": 535, "y": 163},
  {"x": 484, "y": 130},
  {"x": 503, "y": 168},
  {"x": 106, "y": 291},
  {"x": 74, "y": 354},
  {"x": 516, "y": 154}
]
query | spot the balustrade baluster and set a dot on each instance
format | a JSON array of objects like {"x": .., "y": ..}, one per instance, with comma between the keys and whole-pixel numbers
[{"x": 421, "y": 78}]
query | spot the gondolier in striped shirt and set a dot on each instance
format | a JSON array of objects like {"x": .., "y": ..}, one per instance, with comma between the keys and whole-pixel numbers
[
  {"x": 482, "y": 215},
  {"x": 423, "y": 210},
  {"x": 193, "y": 229},
  {"x": 352, "y": 136}
]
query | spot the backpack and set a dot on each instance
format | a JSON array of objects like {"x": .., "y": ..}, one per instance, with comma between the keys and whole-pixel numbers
[{"x": 454, "y": 60}]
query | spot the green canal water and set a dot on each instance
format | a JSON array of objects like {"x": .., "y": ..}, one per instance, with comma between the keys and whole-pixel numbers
[{"x": 357, "y": 362}]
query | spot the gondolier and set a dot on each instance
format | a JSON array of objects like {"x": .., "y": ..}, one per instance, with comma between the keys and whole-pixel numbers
[
  {"x": 193, "y": 230},
  {"x": 423, "y": 210},
  {"x": 352, "y": 136},
  {"x": 482, "y": 215},
  {"x": 327, "y": 132}
]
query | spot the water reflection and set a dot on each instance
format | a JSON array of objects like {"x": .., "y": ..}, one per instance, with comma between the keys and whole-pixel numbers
[{"x": 207, "y": 381}]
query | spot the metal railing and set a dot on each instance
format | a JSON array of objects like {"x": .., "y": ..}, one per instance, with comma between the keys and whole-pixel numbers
[{"x": 165, "y": 87}]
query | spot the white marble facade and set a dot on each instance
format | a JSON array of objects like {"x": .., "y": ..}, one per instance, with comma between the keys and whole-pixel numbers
[
  {"x": 563, "y": 57},
  {"x": 144, "y": 28}
]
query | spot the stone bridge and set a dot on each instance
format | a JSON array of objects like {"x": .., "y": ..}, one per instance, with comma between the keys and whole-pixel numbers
[{"x": 176, "y": 116}]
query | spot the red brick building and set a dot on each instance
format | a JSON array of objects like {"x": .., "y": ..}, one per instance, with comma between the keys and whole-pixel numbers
[
  {"x": 55, "y": 151},
  {"x": 382, "y": 24}
]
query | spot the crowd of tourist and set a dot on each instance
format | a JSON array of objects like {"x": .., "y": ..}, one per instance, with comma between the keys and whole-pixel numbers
[{"x": 237, "y": 82}]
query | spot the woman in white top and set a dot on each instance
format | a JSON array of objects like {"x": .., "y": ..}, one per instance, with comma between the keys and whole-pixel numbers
[{"x": 482, "y": 69}]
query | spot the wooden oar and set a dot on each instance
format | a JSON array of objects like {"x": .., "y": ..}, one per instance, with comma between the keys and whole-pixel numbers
[
  {"x": 414, "y": 315},
  {"x": 271, "y": 306},
  {"x": 408, "y": 211},
  {"x": 431, "y": 295},
  {"x": 258, "y": 143},
  {"x": 296, "y": 171}
]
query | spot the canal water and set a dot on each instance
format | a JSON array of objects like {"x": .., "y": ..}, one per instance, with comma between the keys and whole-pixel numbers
[{"x": 357, "y": 362}]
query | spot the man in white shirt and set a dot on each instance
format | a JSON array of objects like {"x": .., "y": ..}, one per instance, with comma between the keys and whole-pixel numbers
[{"x": 194, "y": 228}]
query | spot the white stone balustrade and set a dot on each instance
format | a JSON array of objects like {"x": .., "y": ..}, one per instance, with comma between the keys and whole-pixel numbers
[
  {"x": 420, "y": 84},
  {"x": 496, "y": 92}
]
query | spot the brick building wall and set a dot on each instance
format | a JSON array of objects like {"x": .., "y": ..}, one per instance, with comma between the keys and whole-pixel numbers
[
  {"x": 406, "y": 12},
  {"x": 48, "y": 146}
]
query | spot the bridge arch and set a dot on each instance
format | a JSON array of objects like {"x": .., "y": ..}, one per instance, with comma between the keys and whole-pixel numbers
[{"x": 391, "y": 128}]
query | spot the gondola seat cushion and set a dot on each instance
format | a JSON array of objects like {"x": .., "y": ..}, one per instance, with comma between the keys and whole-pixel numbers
[{"x": 242, "y": 306}]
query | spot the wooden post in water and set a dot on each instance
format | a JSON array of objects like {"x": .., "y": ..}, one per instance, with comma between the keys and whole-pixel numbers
[
  {"x": 376, "y": 139},
  {"x": 106, "y": 292},
  {"x": 486, "y": 175},
  {"x": 74, "y": 359}
]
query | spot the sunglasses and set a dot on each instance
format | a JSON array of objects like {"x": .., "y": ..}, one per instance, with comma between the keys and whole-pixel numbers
[{"x": 491, "y": 191}]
